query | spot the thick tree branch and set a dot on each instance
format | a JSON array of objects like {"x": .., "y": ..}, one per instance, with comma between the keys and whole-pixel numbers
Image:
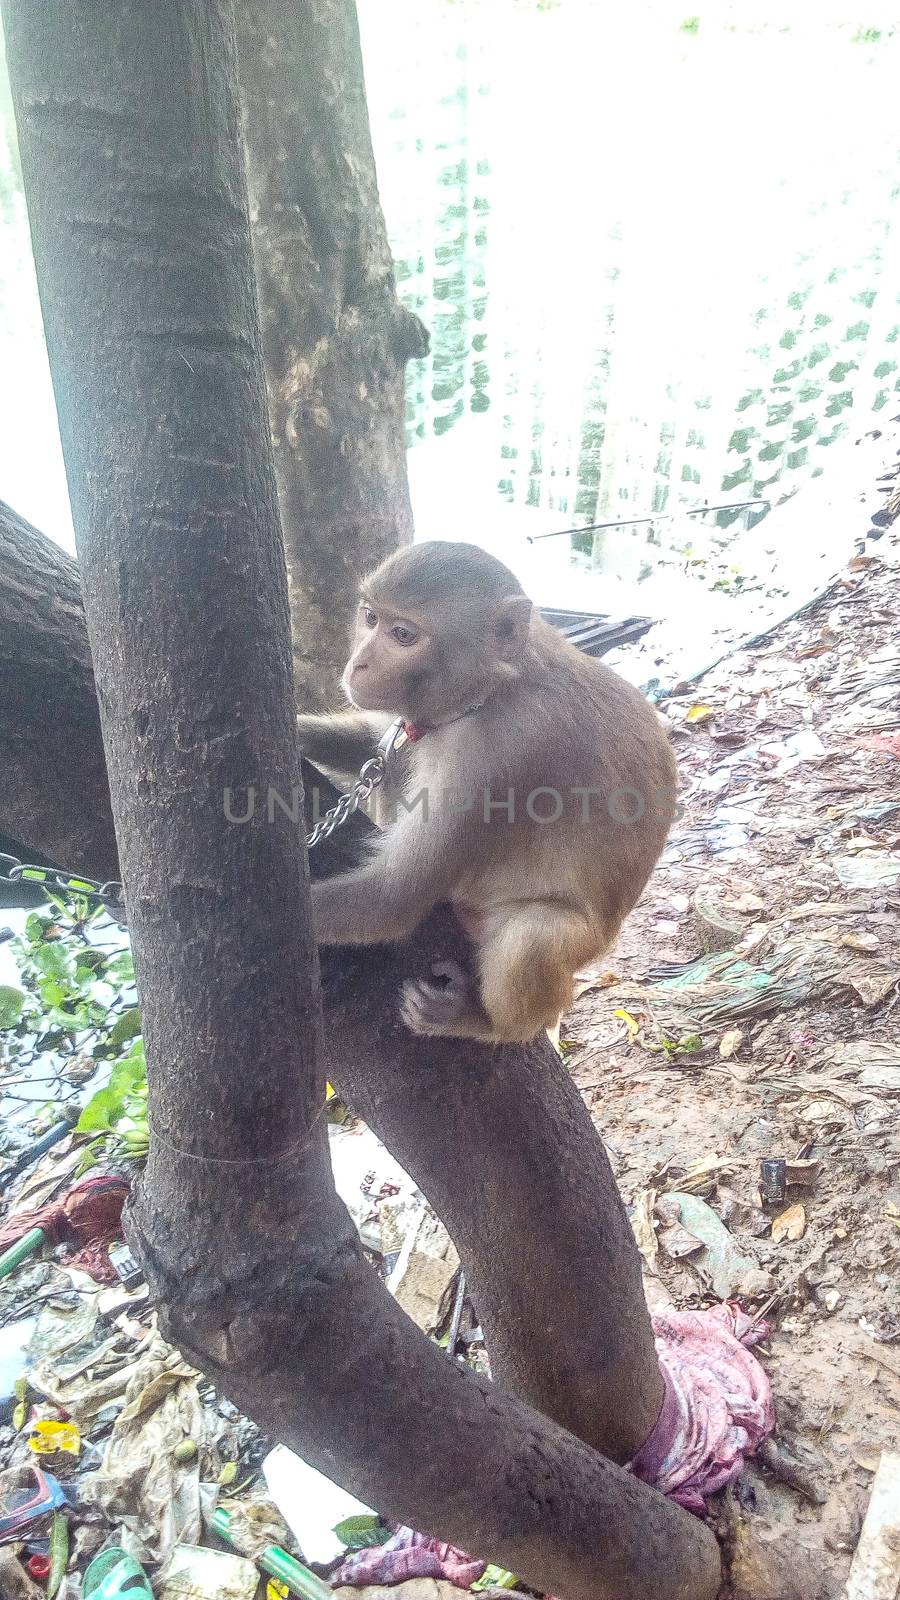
[
  {"x": 50, "y": 746},
  {"x": 129, "y": 137}
]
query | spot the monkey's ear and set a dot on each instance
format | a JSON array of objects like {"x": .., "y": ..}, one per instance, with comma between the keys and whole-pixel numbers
[{"x": 511, "y": 627}]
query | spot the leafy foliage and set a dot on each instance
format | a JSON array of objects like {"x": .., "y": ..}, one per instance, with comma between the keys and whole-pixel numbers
[{"x": 74, "y": 1016}]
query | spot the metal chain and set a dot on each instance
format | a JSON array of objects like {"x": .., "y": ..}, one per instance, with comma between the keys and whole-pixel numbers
[
  {"x": 370, "y": 776},
  {"x": 112, "y": 895}
]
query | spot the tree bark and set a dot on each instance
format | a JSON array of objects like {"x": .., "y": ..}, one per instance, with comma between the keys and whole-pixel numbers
[
  {"x": 130, "y": 142},
  {"x": 50, "y": 745},
  {"x": 335, "y": 337}
]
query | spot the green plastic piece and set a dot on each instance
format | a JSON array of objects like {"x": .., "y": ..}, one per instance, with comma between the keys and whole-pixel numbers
[
  {"x": 19, "y": 1252},
  {"x": 278, "y": 1564},
  {"x": 109, "y": 1574}
]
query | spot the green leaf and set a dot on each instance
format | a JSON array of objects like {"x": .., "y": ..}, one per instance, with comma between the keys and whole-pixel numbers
[
  {"x": 361, "y": 1533},
  {"x": 12, "y": 1004},
  {"x": 126, "y": 1077},
  {"x": 52, "y": 992},
  {"x": 126, "y": 1027},
  {"x": 496, "y": 1578},
  {"x": 52, "y": 961},
  {"x": 90, "y": 960},
  {"x": 121, "y": 969},
  {"x": 100, "y": 1112}
]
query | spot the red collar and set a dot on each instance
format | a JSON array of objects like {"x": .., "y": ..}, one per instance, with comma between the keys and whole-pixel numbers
[{"x": 416, "y": 730}]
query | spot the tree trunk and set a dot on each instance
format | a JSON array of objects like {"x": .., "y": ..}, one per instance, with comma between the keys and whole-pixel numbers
[
  {"x": 130, "y": 143},
  {"x": 548, "y": 1254},
  {"x": 335, "y": 337},
  {"x": 50, "y": 746}
]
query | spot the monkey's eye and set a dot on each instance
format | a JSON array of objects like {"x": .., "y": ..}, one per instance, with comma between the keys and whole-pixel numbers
[
  {"x": 404, "y": 635},
  {"x": 369, "y": 617}
]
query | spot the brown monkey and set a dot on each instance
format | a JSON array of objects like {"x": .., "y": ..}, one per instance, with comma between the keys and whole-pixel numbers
[{"x": 537, "y": 789}]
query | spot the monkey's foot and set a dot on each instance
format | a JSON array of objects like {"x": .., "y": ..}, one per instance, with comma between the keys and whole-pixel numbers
[{"x": 442, "y": 1005}]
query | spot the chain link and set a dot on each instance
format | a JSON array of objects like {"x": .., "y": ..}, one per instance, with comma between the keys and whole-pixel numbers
[{"x": 112, "y": 895}]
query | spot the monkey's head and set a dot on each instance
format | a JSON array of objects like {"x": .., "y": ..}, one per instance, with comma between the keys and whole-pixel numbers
[{"x": 439, "y": 628}]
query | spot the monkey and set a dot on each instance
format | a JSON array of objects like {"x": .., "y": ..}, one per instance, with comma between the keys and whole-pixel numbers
[{"x": 535, "y": 792}]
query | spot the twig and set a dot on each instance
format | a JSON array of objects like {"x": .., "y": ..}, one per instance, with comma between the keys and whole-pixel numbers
[{"x": 456, "y": 1319}]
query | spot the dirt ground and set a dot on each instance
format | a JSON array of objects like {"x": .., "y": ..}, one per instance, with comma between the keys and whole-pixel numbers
[{"x": 788, "y": 852}]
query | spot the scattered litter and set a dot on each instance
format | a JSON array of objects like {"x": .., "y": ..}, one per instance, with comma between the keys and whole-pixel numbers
[
  {"x": 869, "y": 870},
  {"x": 89, "y": 1217},
  {"x": 15, "y": 1583},
  {"x": 195, "y": 1573},
  {"x": 725, "y": 987},
  {"x": 48, "y": 1437},
  {"x": 874, "y": 1065},
  {"x": 312, "y": 1506},
  {"x": 28, "y": 1496},
  {"x": 422, "y": 1278},
  {"x": 728, "y": 1271},
  {"x": 140, "y": 1488},
  {"x": 789, "y": 753},
  {"x": 875, "y": 1572},
  {"x": 278, "y": 1563},
  {"x": 641, "y": 1218},
  {"x": 116, "y": 1574},
  {"x": 887, "y": 743},
  {"x": 409, "y": 1555}
]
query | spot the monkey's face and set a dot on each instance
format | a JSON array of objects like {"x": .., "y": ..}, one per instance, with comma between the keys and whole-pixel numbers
[
  {"x": 438, "y": 628},
  {"x": 391, "y": 655}
]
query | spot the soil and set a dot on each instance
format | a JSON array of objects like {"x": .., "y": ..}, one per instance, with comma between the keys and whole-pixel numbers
[{"x": 766, "y": 845}]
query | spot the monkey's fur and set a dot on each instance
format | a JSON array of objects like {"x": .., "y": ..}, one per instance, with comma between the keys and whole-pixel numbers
[{"x": 505, "y": 710}]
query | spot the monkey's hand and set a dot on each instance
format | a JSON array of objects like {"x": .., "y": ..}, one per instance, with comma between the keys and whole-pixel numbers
[
  {"x": 444, "y": 1006},
  {"x": 341, "y": 742}
]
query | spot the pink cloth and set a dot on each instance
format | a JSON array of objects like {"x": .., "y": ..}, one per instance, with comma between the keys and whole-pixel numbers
[
  {"x": 408, "y": 1555},
  {"x": 717, "y": 1407}
]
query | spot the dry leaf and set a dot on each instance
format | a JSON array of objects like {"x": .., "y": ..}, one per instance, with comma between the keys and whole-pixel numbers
[
  {"x": 677, "y": 1242},
  {"x": 887, "y": 743},
  {"x": 860, "y": 941},
  {"x": 700, "y": 713},
  {"x": 702, "y": 1177},
  {"x": 791, "y": 1224},
  {"x": 589, "y": 982},
  {"x": 643, "y": 1229},
  {"x": 730, "y": 1043},
  {"x": 747, "y": 903}
]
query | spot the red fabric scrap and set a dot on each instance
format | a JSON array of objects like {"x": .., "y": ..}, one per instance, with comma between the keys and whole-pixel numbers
[
  {"x": 717, "y": 1408},
  {"x": 88, "y": 1217},
  {"x": 408, "y": 1555}
]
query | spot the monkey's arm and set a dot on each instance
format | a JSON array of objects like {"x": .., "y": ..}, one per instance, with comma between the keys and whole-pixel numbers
[
  {"x": 414, "y": 866},
  {"x": 344, "y": 741}
]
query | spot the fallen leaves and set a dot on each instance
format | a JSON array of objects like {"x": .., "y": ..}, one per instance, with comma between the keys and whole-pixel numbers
[
  {"x": 887, "y": 743},
  {"x": 789, "y": 1224},
  {"x": 730, "y": 1043}
]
